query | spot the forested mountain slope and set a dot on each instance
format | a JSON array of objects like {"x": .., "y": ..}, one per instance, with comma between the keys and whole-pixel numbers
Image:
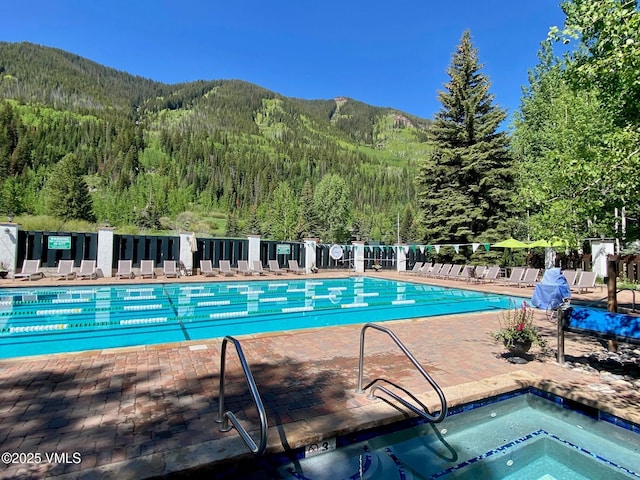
[{"x": 151, "y": 152}]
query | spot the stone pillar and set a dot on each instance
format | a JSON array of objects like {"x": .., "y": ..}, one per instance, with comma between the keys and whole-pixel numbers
[
  {"x": 9, "y": 245},
  {"x": 358, "y": 256},
  {"x": 549, "y": 257},
  {"x": 188, "y": 244},
  {"x": 401, "y": 258},
  {"x": 310, "y": 260},
  {"x": 254, "y": 249},
  {"x": 104, "y": 262}
]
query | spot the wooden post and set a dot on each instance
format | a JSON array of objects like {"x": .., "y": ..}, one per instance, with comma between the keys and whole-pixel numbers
[
  {"x": 612, "y": 299},
  {"x": 560, "y": 334}
]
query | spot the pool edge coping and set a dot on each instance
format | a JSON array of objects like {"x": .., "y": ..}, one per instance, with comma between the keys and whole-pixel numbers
[{"x": 298, "y": 434}]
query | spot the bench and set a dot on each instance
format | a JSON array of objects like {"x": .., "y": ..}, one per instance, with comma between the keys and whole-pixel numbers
[{"x": 598, "y": 323}]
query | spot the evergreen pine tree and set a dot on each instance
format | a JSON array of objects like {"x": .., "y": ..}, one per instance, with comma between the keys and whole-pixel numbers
[
  {"x": 252, "y": 226},
  {"x": 69, "y": 196},
  {"x": 465, "y": 185},
  {"x": 233, "y": 228},
  {"x": 10, "y": 133},
  {"x": 406, "y": 224},
  {"x": 307, "y": 219}
]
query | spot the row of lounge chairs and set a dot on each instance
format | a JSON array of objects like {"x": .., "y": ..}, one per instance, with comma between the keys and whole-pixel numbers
[
  {"x": 580, "y": 281},
  {"x": 448, "y": 271},
  {"x": 206, "y": 268},
  {"x": 31, "y": 270},
  {"x": 170, "y": 269},
  {"x": 519, "y": 276}
]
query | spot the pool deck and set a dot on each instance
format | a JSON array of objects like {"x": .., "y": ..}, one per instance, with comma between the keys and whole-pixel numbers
[{"x": 146, "y": 412}]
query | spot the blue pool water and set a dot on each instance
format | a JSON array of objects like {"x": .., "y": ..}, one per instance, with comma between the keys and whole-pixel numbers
[
  {"x": 64, "y": 319},
  {"x": 522, "y": 437}
]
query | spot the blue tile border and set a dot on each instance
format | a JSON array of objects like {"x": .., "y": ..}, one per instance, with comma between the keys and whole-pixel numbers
[
  {"x": 364, "y": 435},
  {"x": 527, "y": 438},
  {"x": 592, "y": 412}
]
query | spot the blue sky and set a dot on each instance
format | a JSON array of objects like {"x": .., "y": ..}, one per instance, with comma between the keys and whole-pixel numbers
[{"x": 388, "y": 54}]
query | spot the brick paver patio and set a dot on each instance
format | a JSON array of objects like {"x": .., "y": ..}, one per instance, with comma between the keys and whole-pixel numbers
[{"x": 148, "y": 411}]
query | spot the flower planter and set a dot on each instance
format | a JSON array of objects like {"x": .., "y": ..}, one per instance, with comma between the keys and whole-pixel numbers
[
  {"x": 517, "y": 331},
  {"x": 520, "y": 348}
]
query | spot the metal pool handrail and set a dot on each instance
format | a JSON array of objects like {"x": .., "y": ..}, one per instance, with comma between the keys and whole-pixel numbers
[
  {"x": 422, "y": 413},
  {"x": 225, "y": 417}
]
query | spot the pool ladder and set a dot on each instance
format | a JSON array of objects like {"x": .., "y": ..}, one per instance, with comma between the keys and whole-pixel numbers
[
  {"x": 422, "y": 412},
  {"x": 226, "y": 417}
]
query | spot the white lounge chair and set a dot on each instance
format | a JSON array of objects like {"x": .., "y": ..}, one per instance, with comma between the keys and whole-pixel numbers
[
  {"x": 243, "y": 268},
  {"x": 415, "y": 270},
  {"x": 184, "y": 270},
  {"x": 275, "y": 268},
  {"x": 453, "y": 273},
  {"x": 147, "y": 269},
  {"x": 257, "y": 268},
  {"x": 30, "y": 271},
  {"x": 467, "y": 274},
  {"x": 206, "y": 268},
  {"x": 433, "y": 270},
  {"x": 444, "y": 271},
  {"x": 571, "y": 276},
  {"x": 125, "y": 269},
  {"x": 490, "y": 275},
  {"x": 88, "y": 269},
  {"x": 225, "y": 268},
  {"x": 65, "y": 270},
  {"x": 586, "y": 282},
  {"x": 293, "y": 267},
  {"x": 516, "y": 276},
  {"x": 170, "y": 269},
  {"x": 424, "y": 269},
  {"x": 530, "y": 277},
  {"x": 479, "y": 271}
]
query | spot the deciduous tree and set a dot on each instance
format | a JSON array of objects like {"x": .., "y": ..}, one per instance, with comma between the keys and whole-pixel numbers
[
  {"x": 283, "y": 213},
  {"x": 577, "y": 135},
  {"x": 332, "y": 203},
  {"x": 607, "y": 54}
]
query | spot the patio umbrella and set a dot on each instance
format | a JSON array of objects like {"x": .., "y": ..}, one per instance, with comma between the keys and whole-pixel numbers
[
  {"x": 545, "y": 243},
  {"x": 510, "y": 243},
  {"x": 559, "y": 243},
  {"x": 539, "y": 243}
]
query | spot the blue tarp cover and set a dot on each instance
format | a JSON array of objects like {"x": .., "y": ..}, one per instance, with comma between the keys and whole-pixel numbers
[
  {"x": 607, "y": 324},
  {"x": 550, "y": 292}
]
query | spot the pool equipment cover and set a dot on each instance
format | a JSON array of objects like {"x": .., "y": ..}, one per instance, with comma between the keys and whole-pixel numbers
[
  {"x": 614, "y": 326},
  {"x": 549, "y": 293}
]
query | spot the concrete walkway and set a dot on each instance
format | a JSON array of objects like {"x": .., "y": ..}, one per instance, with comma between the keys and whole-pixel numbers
[{"x": 149, "y": 411}]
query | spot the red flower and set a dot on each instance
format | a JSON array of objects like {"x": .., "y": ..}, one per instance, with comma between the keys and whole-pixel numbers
[{"x": 520, "y": 327}]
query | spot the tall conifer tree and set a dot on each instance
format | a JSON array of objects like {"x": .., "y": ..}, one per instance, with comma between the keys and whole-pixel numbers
[
  {"x": 69, "y": 196},
  {"x": 465, "y": 186}
]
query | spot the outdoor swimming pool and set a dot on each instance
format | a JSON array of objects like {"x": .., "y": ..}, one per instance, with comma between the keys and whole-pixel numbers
[
  {"x": 518, "y": 436},
  {"x": 38, "y": 320}
]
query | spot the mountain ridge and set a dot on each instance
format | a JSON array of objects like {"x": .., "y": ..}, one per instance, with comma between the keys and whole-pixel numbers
[{"x": 206, "y": 136}]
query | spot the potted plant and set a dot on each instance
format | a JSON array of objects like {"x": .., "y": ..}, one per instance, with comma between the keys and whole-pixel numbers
[
  {"x": 4, "y": 270},
  {"x": 517, "y": 331}
]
